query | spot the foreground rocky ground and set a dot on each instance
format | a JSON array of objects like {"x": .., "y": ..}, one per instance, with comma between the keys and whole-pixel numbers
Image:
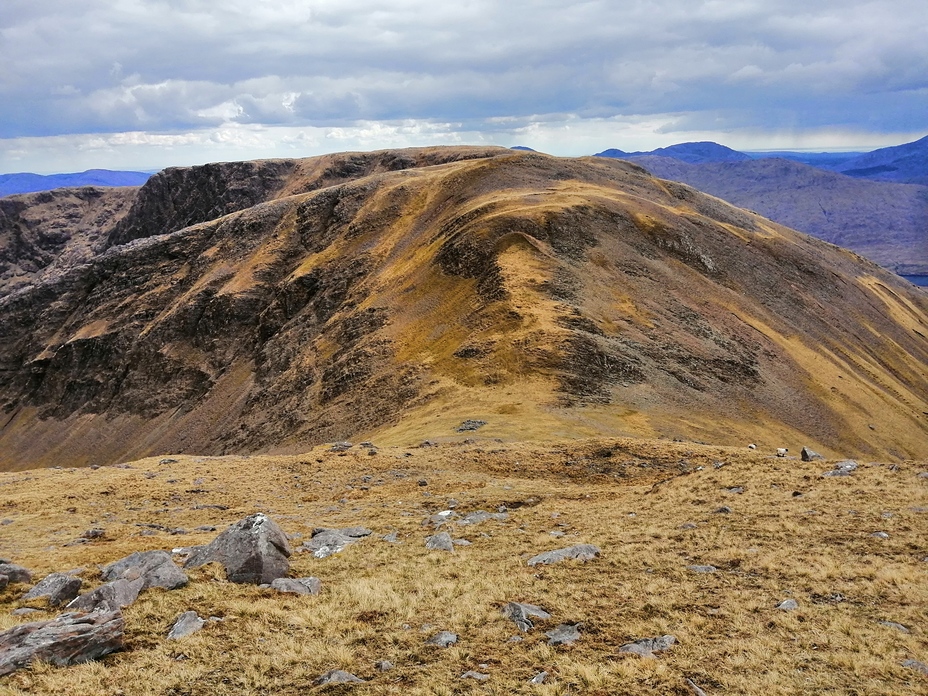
[{"x": 693, "y": 569}]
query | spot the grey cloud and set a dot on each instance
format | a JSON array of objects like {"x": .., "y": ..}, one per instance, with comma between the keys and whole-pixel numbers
[{"x": 102, "y": 66}]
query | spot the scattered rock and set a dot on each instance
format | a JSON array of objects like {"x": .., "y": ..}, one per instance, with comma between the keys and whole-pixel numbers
[
  {"x": 788, "y": 605},
  {"x": 808, "y": 455},
  {"x": 95, "y": 533},
  {"x": 66, "y": 640},
  {"x": 470, "y": 425},
  {"x": 702, "y": 568},
  {"x": 325, "y": 542},
  {"x": 580, "y": 552},
  {"x": 538, "y": 678},
  {"x": 897, "y": 626},
  {"x": 471, "y": 674},
  {"x": 187, "y": 623},
  {"x": 440, "y": 542},
  {"x": 752, "y": 446},
  {"x": 338, "y": 676},
  {"x": 880, "y": 535},
  {"x": 384, "y": 666},
  {"x": 112, "y": 596},
  {"x": 688, "y": 525},
  {"x": 781, "y": 451},
  {"x": 479, "y": 516},
  {"x": 912, "y": 664},
  {"x": 440, "y": 518},
  {"x": 58, "y": 588},
  {"x": 724, "y": 510},
  {"x": 4, "y": 581},
  {"x": 695, "y": 690},
  {"x": 443, "y": 639},
  {"x": 520, "y": 613},
  {"x": 253, "y": 550},
  {"x": 737, "y": 490},
  {"x": 303, "y": 586},
  {"x": 646, "y": 647},
  {"x": 844, "y": 468},
  {"x": 156, "y": 568},
  {"x": 923, "y": 474},
  {"x": 341, "y": 447},
  {"x": 24, "y": 611},
  {"x": 564, "y": 634},
  {"x": 167, "y": 460},
  {"x": 15, "y": 573},
  {"x": 392, "y": 538}
]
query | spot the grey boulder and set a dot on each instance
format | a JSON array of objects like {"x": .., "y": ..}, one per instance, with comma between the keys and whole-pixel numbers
[
  {"x": 66, "y": 640},
  {"x": 580, "y": 552},
  {"x": 303, "y": 586},
  {"x": 187, "y": 623},
  {"x": 109, "y": 597},
  {"x": 156, "y": 568},
  {"x": 253, "y": 550},
  {"x": 58, "y": 588},
  {"x": 808, "y": 455},
  {"x": 15, "y": 573}
]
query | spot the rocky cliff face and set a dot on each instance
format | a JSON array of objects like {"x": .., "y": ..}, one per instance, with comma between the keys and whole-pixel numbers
[{"x": 394, "y": 294}]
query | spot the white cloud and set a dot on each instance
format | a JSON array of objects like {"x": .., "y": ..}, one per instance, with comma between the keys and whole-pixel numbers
[{"x": 104, "y": 66}]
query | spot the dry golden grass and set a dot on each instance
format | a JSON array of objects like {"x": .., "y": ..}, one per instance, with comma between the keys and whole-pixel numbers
[{"x": 629, "y": 497}]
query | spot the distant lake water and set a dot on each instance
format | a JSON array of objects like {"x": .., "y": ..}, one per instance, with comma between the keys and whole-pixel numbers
[{"x": 920, "y": 280}]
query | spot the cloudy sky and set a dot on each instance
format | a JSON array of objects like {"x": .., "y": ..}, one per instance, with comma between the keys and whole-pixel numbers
[{"x": 143, "y": 84}]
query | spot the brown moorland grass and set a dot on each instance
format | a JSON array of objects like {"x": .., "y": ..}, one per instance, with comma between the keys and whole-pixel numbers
[{"x": 649, "y": 505}]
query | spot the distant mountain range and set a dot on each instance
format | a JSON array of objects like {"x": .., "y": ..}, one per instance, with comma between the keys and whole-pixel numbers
[
  {"x": 30, "y": 183},
  {"x": 873, "y": 203}
]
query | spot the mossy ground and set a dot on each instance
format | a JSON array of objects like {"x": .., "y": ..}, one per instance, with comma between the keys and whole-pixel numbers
[{"x": 790, "y": 533}]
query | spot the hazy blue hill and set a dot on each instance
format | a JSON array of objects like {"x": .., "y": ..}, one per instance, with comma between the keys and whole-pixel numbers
[
  {"x": 886, "y": 222},
  {"x": 694, "y": 153},
  {"x": 823, "y": 160},
  {"x": 30, "y": 183},
  {"x": 906, "y": 163}
]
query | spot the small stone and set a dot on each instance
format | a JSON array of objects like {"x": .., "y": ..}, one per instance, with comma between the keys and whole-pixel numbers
[
  {"x": 737, "y": 490},
  {"x": 781, "y": 451},
  {"x": 688, "y": 525},
  {"x": 580, "y": 552},
  {"x": 646, "y": 647},
  {"x": 702, "y": 568},
  {"x": 167, "y": 460},
  {"x": 695, "y": 690},
  {"x": 392, "y": 538},
  {"x": 724, "y": 510},
  {"x": 25, "y": 611},
  {"x": 923, "y": 475},
  {"x": 752, "y": 446},
  {"x": 341, "y": 447},
  {"x": 788, "y": 605},
  {"x": 423, "y": 483},
  {"x": 470, "y": 425},
  {"x": 440, "y": 542},
  {"x": 187, "y": 623},
  {"x": 302, "y": 586},
  {"x": 384, "y": 666},
  {"x": 894, "y": 625},
  {"x": 844, "y": 468},
  {"x": 564, "y": 634},
  {"x": 519, "y": 613},
  {"x": 916, "y": 665},
  {"x": 471, "y": 674},
  {"x": 95, "y": 533},
  {"x": 538, "y": 678},
  {"x": 338, "y": 676},
  {"x": 880, "y": 535},
  {"x": 443, "y": 639}
]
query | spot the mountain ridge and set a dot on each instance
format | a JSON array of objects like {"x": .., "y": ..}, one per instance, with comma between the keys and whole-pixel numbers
[{"x": 549, "y": 297}]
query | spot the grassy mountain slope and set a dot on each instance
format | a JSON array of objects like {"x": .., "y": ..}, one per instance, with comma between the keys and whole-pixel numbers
[
  {"x": 549, "y": 297},
  {"x": 651, "y": 507}
]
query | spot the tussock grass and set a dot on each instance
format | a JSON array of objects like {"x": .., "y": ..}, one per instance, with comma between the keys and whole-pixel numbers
[{"x": 650, "y": 506}]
